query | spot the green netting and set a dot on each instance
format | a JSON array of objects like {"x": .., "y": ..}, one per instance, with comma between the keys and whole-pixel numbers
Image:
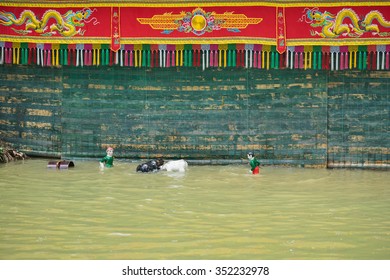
[{"x": 300, "y": 117}]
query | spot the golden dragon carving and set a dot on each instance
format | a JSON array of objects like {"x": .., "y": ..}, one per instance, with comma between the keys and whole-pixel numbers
[
  {"x": 345, "y": 23},
  {"x": 66, "y": 24}
]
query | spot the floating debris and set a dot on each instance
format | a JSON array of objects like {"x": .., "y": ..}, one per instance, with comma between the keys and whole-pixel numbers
[{"x": 8, "y": 154}]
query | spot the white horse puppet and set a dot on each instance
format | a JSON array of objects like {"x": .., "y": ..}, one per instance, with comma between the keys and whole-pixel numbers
[{"x": 175, "y": 165}]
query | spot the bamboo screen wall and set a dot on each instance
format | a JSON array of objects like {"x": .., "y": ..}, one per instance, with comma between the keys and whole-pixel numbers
[{"x": 303, "y": 117}]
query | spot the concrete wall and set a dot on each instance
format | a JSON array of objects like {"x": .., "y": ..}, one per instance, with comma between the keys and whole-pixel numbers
[{"x": 300, "y": 117}]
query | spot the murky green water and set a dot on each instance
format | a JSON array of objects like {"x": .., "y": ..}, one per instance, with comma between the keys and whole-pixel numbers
[{"x": 210, "y": 212}]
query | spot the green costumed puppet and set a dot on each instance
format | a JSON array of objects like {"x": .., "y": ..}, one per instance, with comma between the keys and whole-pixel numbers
[
  {"x": 108, "y": 160},
  {"x": 254, "y": 163}
]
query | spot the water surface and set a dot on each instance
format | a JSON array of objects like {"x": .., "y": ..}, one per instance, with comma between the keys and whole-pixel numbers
[{"x": 210, "y": 212}]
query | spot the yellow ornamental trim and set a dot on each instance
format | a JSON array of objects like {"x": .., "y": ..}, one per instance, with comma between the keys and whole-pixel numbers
[
  {"x": 138, "y": 47},
  {"x": 308, "y": 48},
  {"x": 16, "y": 44}
]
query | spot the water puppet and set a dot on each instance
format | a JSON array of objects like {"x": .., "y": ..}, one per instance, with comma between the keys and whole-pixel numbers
[
  {"x": 175, "y": 165},
  {"x": 254, "y": 163},
  {"x": 108, "y": 160},
  {"x": 150, "y": 166}
]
